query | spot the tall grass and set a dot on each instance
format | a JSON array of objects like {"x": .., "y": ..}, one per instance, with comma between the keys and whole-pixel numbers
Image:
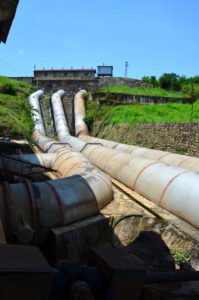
[
  {"x": 142, "y": 91},
  {"x": 15, "y": 111},
  {"x": 155, "y": 113}
]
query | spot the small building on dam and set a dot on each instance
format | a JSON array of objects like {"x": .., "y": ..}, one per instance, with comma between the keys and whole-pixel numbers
[{"x": 65, "y": 73}]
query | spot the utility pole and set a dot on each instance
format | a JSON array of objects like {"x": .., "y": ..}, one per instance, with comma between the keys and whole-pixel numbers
[{"x": 126, "y": 68}]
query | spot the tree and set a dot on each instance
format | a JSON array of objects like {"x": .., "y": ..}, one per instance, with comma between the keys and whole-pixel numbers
[
  {"x": 151, "y": 80},
  {"x": 170, "y": 81}
]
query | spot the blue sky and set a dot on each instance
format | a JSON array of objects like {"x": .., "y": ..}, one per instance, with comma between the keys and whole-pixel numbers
[{"x": 154, "y": 36}]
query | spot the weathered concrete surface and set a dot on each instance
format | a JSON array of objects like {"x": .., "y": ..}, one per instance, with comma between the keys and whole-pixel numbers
[
  {"x": 72, "y": 85},
  {"x": 68, "y": 104},
  {"x": 174, "y": 231},
  {"x": 46, "y": 111},
  {"x": 122, "y": 99},
  {"x": 73, "y": 242},
  {"x": 7, "y": 13},
  {"x": 116, "y": 81}
]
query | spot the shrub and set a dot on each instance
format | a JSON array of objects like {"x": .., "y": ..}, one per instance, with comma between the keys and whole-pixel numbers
[
  {"x": 180, "y": 256},
  {"x": 151, "y": 80},
  {"x": 6, "y": 86},
  {"x": 89, "y": 120}
]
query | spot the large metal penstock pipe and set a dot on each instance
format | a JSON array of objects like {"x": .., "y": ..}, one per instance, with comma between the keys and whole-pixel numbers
[
  {"x": 171, "y": 187},
  {"x": 182, "y": 161}
]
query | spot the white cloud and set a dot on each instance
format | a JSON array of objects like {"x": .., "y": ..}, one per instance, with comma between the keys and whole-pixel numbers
[{"x": 21, "y": 52}]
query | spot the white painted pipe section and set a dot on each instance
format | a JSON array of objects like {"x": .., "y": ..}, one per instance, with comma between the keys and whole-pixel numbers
[
  {"x": 81, "y": 128},
  {"x": 59, "y": 115}
]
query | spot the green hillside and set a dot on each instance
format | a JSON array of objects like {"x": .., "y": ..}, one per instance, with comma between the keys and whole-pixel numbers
[
  {"x": 159, "y": 92},
  {"x": 14, "y": 108}
]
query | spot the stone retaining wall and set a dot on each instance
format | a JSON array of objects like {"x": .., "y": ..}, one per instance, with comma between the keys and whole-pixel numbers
[{"x": 182, "y": 138}]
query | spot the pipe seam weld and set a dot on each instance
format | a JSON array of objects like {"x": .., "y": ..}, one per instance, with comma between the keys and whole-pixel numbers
[
  {"x": 169, "y": 183},
  {"x": 32, "y": 201},
  {"x": 141, "y": 171},
  {"x": 58, "y": 199}
]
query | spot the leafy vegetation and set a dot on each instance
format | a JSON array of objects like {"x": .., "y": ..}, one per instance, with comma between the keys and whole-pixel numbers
[
  {"x": 174, "y": 82},
  {"x": 15, "y": 111},
  {"x": 159, "y": 92},
  {"x": 89, "y": 119},
  {"x": 170, "y": 112},
  {"x": 180, "y": 256}
]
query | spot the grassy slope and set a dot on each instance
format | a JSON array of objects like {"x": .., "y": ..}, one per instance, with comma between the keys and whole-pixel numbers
[
  {"x": 14, "y": 107},
  {"x": 170, "y": 112},
  {"x": 142, "y": 91}
]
